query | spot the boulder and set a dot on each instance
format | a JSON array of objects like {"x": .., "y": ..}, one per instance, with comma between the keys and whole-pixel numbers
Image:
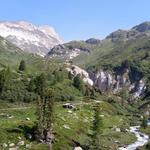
[
  {"x": 66, "y": 126},
  {"x": 27, "y": 118},
  {"x": 5, "y": 145},
  {"x": 21, "y": 143},
  {"x": 78, "y": 148},
  {"x": 28, "y": 146},
  {"x": 117, "y": 130},
  {"x": 10, "y": 116},
  {"x": 11, "y": 144},
  {"x": 19, "y": 137}
]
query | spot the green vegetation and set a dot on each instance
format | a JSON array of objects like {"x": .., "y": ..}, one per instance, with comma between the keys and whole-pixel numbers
[
  {"x": 97, "y": 129},
  {"x": 22, "y": 66},
  {"x": 34, "y": 89},
  {"x": 70, "y": 126},
  {"x": 44, "y": 111}
]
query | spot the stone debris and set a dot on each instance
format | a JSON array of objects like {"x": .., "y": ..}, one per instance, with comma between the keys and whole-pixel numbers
[
  {"x": 14, "y": 148},
  {"x": 11, "y": 144},
  {"x": 10, "y": 116},
  {"x": 66, "y": 126},
  {"x": 28, "y": 146},
  {"x": 21, "y": 143},
  {"x": 28, "y": 119},
  {"x": 69, "y": 111},
  {"x": 5, "y": 145}
]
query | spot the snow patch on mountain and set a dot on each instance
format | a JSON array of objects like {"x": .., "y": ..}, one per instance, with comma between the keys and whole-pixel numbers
[{"x": 29, "y": 37}]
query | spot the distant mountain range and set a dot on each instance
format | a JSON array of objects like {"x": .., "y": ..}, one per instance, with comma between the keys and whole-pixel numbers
[
  {"x": 29, "y": 37},
  {"x": 102, "y": 58},
  {"x": 74, "y": 49},
  {"x": 44, "y": 41}
]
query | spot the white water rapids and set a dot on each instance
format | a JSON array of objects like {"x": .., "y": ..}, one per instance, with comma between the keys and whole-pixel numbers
[{"x": 142, "y": 139}]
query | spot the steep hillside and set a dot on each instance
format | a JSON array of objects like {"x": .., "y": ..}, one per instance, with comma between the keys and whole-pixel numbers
[
  {"x": 120, "y": 45},
  {"x": 72, "y": 49},
  {"x": 11, "y": 55}
]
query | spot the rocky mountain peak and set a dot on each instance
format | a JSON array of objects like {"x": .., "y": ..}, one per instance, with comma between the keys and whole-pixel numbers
[
  {"x": 140, "y": 30},
  {"x": 93, "y": 41},
  {"x": 143, "y": 27},
  {"x": 29, "y": 37}
]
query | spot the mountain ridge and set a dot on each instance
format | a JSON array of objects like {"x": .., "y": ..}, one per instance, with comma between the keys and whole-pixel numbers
[
  {"x": 73, "y": 49},
  {"x": 30, "y": 37}
]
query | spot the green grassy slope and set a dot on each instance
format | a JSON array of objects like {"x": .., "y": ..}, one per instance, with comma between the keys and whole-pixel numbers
[
  {"x": 10, "y": 55},
  {"x": 69, "y": 126}
]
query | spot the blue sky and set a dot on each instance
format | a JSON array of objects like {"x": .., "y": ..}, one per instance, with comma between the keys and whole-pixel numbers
[{"x": 78, "y": 19}]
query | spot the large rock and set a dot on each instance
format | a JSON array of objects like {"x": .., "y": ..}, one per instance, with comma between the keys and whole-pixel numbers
[
  {"x": 78, "y": 148},
  {"x": 108, "y": 81},
  {"x": 11, "y": 144},
  {"x": 75, "y": 70},
  {"x": 102, "y": 80},
  {"x": 5, "y": 145},
  {"x": 21, "y": 143}
]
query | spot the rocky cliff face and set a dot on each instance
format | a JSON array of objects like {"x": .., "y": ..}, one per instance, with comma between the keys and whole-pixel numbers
[
  {"x": 75, "y": 70},
  {"x": 29, "y": 37},
  {"x": 72, "y": 49},
  {"x": 112, "y": 82},
  {"x": 65, "y": 52},
  {"x": 105, "y": 81}
]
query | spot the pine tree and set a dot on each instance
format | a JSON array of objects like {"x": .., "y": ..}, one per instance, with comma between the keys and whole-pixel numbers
[
  {"x": 124, "y": 95},
  {"x": 45, "y": 118},
  {"x": 97, "y": 129},
  {"x": 44, "y": 111},
  {"x": 58, "y": 75},
  {"x": 144, "y": 123},
  {"x": 4, "y": 78},
  {"x": 70, "y": 76},
  {"x": 40, "y": 83},
  {"x": 125, "y": 64},
  {"x": 77, "y": 81},
  {"x": 87, "y": 91},
  {"x": 92, "y": 93},
  {"x": 39, "y": 114},
  {"x": 22, "y": 66},
  {"x": 146, "y": 55},
  {"x": 31, "y": 85}
]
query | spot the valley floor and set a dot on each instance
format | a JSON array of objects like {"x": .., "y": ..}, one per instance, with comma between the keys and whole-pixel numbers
[{"x": 70, "y": 127}]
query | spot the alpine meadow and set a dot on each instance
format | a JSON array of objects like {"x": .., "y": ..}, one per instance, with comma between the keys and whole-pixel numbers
[{"x": 76, "y": 94}]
